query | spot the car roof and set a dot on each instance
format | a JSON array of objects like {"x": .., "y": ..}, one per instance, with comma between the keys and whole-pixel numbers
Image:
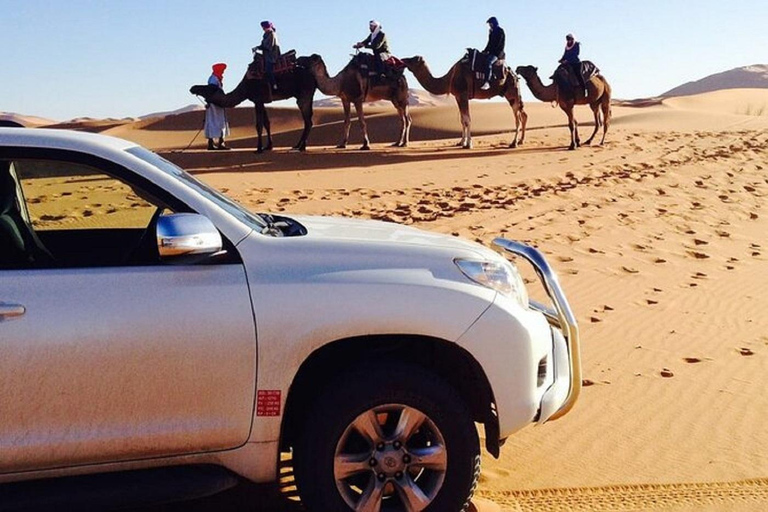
[{"x": 63, "y": 139}]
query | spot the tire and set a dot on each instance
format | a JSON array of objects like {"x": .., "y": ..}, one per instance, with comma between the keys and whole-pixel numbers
[{"x": 385, "y": 437}]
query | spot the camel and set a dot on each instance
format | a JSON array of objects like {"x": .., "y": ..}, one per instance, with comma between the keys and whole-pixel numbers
[
  {"x": 599, "y": 98},
  {"x": 354, "y": 89},
  {"x": 461, "y": 82},
  {"x": 299, "y": 84}
]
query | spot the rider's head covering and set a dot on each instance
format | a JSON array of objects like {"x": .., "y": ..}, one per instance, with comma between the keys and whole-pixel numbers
[
  {"x": 570, "y": 36},
  {"x": 218, "y": 70},
  {"x": 493, "y": 21},
  {"x": 268, "y": 24},
  {"x": 373, "y": 24}
]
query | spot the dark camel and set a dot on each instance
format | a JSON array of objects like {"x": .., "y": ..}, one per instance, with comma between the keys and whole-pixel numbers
[
  {"x": 354, "y": 89},
  {"x": 299, "y": 84},
  {"x": 599, "y": 98},
  {"x": 461, "y": 82}
]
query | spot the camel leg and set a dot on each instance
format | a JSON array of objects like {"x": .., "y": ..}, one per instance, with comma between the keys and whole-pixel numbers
[
  {"x": 265, "y": 116},
  {"x": 408, "y": 124},
  {"x": 259, "y": 129},
  {"x": 606, "y": 107},
  {"x": 523, "y": 123},
  {"x": 305, "y": 106},
  {"x": 466, "y": 122},
  {"x": 363, "y": 125},
  {"x": 571, "y": 126},
  {"x": 596, "y": 111},
  {"x": 516, "y": 115},
  {"x": 347, "y": 123},
  {"x": 405, "y": 125},
  {"x": 401, "y": 117}
]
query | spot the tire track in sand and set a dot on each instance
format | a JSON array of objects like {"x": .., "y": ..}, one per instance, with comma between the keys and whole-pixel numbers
[{"x": 741, "y": 495}]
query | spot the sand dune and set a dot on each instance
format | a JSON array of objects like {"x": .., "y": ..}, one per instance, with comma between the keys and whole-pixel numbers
[{"x": 755, "y": 76}]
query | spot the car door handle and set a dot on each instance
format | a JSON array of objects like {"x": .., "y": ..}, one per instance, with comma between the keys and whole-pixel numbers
[{"x": 11, "y": 310}]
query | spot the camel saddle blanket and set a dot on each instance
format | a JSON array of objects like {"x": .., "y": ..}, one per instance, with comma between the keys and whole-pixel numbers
[
  {"x": 285, "y": 64},
  {"x": 478, "y": 63},
  {"x": 393, "y": 68},
  {"x": 565, "y": 75}
]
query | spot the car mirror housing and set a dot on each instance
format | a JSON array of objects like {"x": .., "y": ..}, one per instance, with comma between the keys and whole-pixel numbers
[{"x": 181, "y": 235}]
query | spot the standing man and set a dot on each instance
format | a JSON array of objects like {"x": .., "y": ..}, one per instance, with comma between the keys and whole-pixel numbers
[
  {"x": 216, "y": 125},
  {"x": 376, "y": 41},
  {"x": 270, "y": 49},
  {"x": 571, "y": 58},
  {"x": 494, "y": 49}
]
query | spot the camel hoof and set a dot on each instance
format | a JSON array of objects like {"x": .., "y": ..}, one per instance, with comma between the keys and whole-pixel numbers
[
  {"x": 513, "y": 145},
  {"x": 259, "y": 151},
  {"x": 341, "y": 146},
  {"x": 572, "y": 147},
  {"x": 365, "y": 147}
]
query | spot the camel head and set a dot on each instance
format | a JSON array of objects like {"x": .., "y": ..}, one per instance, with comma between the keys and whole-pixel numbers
[
  {"x": 205, "y": 91},
  {"x": 527, "y": 72},
  {"x": 415, "y": 62}
]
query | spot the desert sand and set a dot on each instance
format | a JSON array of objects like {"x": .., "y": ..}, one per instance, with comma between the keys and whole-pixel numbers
[{"x": 659, "y": 239}]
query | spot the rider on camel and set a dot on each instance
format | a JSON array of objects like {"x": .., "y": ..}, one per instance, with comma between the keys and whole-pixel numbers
[
  {"x": 571, "y": 58},
  {"x": 494, "y": 49},
  {"x": 376, "y": 41},
  {"x": 270, "y": 49}
]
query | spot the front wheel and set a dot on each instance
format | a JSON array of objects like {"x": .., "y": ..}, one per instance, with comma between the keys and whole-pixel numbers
[{"x": 388, "y": 439}]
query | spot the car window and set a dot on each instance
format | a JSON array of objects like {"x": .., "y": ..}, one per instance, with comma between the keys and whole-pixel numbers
[
  {"x": 67, "y": 196},
  {"x": 61, "y": 214}
]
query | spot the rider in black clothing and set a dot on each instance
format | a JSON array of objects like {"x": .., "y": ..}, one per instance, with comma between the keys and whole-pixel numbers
[
  {"x": 571, "y": 58},
  {"x": 494, "y": 49}
]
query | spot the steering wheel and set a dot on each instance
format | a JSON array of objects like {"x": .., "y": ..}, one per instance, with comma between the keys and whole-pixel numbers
[{"x": 141, "y": 246}]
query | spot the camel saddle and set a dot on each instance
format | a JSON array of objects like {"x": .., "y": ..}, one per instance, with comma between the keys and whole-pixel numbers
[
  {"x": 478, "y": 63},
  {"x": 393, "y": 68},
  {"x": 284, "y": 64},
  {"x": 565, "y": 77}
]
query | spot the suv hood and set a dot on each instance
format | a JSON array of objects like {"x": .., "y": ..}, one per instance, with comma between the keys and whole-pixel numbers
[{"x": 345, "y": 229}]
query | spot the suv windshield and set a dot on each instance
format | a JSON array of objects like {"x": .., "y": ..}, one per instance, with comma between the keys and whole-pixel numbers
[{"x": 208, "y": 192}]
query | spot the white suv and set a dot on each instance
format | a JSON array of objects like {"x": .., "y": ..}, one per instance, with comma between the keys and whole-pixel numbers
[{"x": 147, "y": 321}]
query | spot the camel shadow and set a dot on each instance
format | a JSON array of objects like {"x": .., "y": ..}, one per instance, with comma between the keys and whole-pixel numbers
[{"x": 326, "y": 158}]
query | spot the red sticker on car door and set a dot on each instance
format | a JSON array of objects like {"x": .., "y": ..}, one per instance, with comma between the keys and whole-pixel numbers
[{"x": 268, "y": 402}]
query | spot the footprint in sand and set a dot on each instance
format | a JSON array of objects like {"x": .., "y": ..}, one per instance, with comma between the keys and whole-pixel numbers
[
  {"x": 698, "y": 255},
  {"x": 651, "y": 302},
  {"x": 594, "y": 319},
  {"x": 586, "y": 383},
  {"x": 746, "y": 351},
  {"x": 630, "y": 270},
  {"x": 666, "y": 373},
  {"x": 691, "y": 360}
]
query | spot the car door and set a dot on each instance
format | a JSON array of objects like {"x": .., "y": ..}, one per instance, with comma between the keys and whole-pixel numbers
[{"x": 107, "y": 354}]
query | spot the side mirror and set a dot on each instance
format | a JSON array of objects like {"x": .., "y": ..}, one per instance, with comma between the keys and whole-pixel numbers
[{"x": 186, "y": 234}]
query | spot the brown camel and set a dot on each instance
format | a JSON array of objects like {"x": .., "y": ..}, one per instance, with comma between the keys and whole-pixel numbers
[
  {"x": 599, "y": 98},
  {"x": 298, "y": 83},
  {"x": 353, "y": 88},
  {"x": 461, "y": 82}
]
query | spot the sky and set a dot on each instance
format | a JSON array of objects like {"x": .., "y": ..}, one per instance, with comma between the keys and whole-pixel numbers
[{"x": 119, "y": 58}]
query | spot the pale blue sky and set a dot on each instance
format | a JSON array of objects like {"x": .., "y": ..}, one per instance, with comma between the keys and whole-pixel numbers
[{"x": 116, "y": 58}]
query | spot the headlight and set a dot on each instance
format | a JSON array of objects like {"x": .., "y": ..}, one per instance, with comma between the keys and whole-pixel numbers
[{"x": 501, "y": 276}]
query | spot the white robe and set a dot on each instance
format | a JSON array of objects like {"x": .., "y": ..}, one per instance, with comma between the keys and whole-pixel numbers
[{"x": 216, "y": 125}]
